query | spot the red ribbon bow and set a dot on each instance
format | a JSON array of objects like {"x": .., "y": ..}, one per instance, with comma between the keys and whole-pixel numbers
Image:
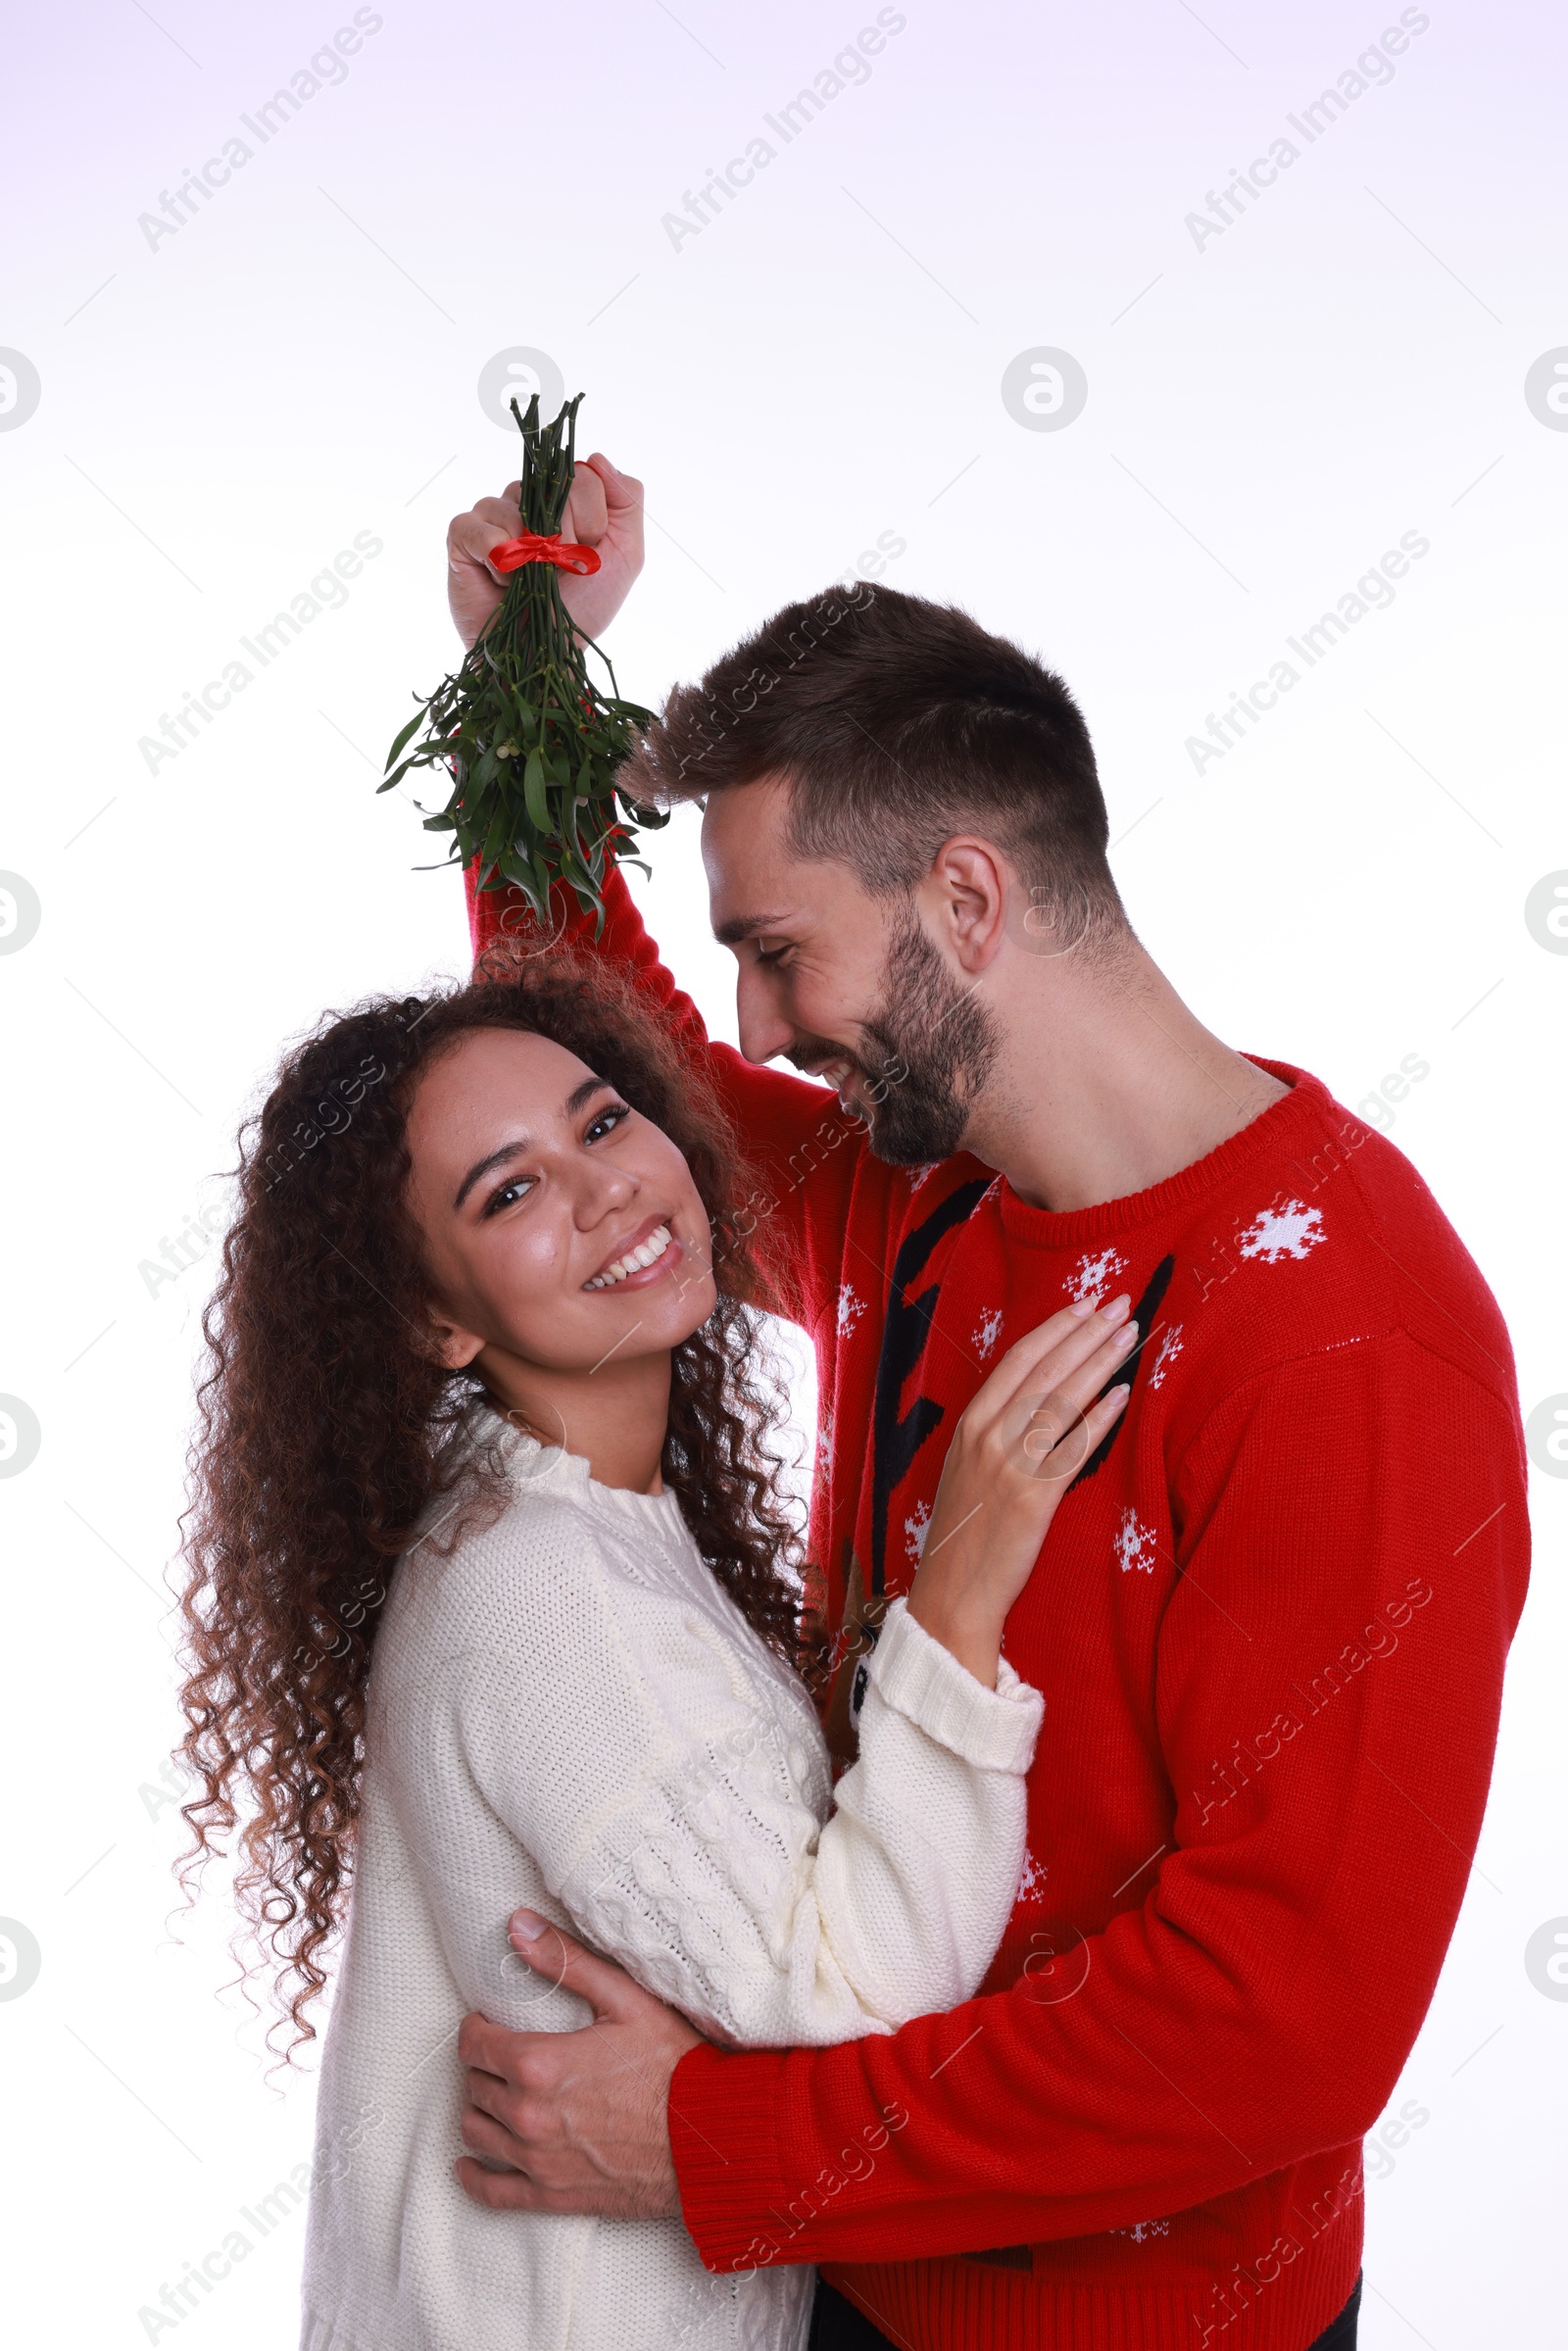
[{"x": 532, "y": 548}]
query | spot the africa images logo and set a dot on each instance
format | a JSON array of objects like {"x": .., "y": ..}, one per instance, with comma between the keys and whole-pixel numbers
[
  {"x": 1373, "y": 70},
  {"x": 21, "y": 912},
  {"x": 19, "y": 389},
  {"x": 19, "y": 1435},
  {"x": 1545, "y": 389},
  {"x": 19, "y": 1959}
]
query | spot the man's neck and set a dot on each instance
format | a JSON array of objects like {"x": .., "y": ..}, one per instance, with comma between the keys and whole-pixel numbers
[{"x": 1108, "y": 1085}]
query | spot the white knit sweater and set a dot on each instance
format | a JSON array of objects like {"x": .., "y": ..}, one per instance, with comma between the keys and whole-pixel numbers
[{"x": 569, "y": 1712}]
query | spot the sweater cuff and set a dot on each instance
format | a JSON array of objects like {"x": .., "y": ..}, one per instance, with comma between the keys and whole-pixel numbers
[
  {"x": 734, "y": 2204},
  {"x": 910, "y": 1672}
]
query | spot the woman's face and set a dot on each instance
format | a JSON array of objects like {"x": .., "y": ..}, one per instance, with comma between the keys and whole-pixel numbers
[{"x": 535, "y": 1187}]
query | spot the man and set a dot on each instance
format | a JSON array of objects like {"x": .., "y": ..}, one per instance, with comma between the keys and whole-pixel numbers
[{"x": 1271, "y": 1621}]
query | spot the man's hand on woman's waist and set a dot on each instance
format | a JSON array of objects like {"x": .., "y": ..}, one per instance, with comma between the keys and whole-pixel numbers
[{"x": 578, "y": 2122}]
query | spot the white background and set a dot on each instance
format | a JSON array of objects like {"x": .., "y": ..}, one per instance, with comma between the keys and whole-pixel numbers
[{"x": 223, "y": 412}]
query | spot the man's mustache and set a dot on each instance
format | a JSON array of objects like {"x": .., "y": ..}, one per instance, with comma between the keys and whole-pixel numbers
[
  {"x": 888, "y": 1070},
  {"x": 812, "y": 1050}
]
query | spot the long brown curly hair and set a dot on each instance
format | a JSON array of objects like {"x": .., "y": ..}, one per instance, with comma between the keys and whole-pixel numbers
[{"x": 329, "y": 1429}]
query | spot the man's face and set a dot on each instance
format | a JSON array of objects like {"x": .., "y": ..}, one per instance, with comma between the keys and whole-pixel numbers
[{"x": 843, "y": 984}]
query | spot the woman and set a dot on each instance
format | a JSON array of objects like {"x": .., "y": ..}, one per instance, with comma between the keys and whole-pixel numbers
[{"x": 485, "y": 1317}]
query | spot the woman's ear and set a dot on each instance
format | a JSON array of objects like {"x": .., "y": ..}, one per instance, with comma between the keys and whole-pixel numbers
[{"x": 450, "y": 1343}]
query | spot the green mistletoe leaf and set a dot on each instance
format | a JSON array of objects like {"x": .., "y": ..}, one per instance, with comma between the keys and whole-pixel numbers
[{"x": 530, "y": 744}]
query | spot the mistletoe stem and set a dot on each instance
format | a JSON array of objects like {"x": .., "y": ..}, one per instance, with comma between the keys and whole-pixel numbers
[{"x": 529, "y": 746}]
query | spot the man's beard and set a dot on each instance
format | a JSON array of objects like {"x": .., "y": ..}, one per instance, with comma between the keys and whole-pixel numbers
[{"x": 928, "y": 1053}]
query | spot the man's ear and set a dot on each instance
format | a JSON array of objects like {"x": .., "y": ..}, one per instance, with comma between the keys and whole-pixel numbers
[{"x": 964, "y": 900}]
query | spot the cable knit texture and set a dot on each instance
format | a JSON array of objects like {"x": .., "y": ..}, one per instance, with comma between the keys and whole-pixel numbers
[{"x": 569, "y": 1712}]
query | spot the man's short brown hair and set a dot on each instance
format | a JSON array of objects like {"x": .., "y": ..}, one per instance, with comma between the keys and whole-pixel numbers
[{"x": 895, "y": 722}]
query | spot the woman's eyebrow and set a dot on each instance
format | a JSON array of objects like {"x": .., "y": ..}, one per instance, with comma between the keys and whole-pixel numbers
[
  {"x": 483, "y": 1168},
  {"x": 578, "y": 1099}
]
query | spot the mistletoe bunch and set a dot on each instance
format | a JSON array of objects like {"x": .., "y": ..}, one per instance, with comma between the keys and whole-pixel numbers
[{"x": 530, "y": 744}]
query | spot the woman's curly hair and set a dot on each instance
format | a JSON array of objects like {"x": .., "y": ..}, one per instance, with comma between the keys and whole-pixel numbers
[{"x": 328, "y": 1430}]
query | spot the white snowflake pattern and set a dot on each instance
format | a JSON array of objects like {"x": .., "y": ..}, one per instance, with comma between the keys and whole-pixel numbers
[
  {"x": 915, "y": 1532},
  {"x": 1141, "y": 2231},
  {"x": 1031, "y": 1880},
  {"x": 1134, "y": 1543},
  {"x": 1093, "y": 1275},
  {"x": 824, "y": 1446},
  {"x": 917, "y": 1175},
  {"x": 1288, "y": 1231},
  {"x": 851, "y": 1309},
  {"x": 1170, "y": 1346},
  {"x": 987, "y": 1331}
]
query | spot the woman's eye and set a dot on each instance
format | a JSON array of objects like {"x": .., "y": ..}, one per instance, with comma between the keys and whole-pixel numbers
[
  {"x": 605, "y": 1122},
  {"x": 505, "y": 1195}
]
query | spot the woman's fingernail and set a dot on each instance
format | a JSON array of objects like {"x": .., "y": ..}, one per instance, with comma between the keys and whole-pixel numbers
[
  {"x": 1126, "y": 1336},
  {"x": 1119, "y": 1307},
  {"x": 1118, "y": 1395},
  {"x": 529, "y": 1924},
  {"x": 1085, "y": 1305}
]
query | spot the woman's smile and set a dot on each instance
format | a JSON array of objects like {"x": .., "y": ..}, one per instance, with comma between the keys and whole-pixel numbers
[{"x": 652, "y": 1250}]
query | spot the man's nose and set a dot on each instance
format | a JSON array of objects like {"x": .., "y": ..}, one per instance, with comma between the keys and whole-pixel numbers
[{"x": 763, "y": 1030}]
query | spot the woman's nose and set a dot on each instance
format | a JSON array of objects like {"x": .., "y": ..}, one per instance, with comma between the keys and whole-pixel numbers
[{"x": 603, "y": 1190}]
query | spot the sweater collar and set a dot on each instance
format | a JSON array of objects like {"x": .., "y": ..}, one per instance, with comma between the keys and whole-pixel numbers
[
  {"x": 528, "y": 1463},
  {"x": 1270, "y": 1136}
]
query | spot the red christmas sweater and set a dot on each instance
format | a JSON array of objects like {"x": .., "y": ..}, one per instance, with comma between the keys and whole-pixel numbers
[{"x": 1269, "y": 1624}]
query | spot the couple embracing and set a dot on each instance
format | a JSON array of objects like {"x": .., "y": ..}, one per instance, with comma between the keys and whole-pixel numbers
[{"x": 998, "y": 1920}]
